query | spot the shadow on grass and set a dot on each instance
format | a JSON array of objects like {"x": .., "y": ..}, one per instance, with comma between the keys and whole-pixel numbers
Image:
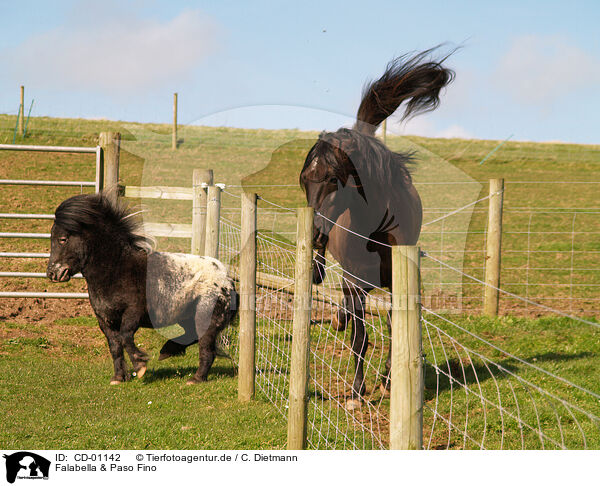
[
  {"x": 185, "y": 372},
  {"x": 560, "y": 356},
  {"x": 455, "y": 373}
]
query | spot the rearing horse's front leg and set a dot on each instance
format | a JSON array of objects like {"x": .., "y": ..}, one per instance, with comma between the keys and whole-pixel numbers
[{"x": 319, "y": 267}]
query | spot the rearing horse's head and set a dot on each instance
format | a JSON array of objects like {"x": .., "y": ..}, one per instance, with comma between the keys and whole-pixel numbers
[
  {"x": 330, "y": 180},
  {"x": 331, "y": 183}
]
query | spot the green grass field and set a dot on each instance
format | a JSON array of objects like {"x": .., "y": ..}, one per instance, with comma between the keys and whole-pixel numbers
[
  {"x": 54, "y": 394},
  {"x": 55, "y": 369}
]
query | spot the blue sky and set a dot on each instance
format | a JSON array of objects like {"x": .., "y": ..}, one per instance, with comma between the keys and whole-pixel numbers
[{"x": 526, "y": 69}]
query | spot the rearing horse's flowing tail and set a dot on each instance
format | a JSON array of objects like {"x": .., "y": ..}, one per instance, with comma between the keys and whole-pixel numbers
[{"x": 415, "y": 80}]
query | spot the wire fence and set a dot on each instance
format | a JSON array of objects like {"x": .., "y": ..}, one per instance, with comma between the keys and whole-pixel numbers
[
  {"x": 500, "y": 384},
  {"x": 480, "y": 395},
  {"x": 489, "y": 384},
  {"x": 550, "y": 253}
]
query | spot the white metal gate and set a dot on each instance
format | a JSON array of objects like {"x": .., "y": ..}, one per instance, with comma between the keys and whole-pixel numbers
[{"x": 96, "y": 184}]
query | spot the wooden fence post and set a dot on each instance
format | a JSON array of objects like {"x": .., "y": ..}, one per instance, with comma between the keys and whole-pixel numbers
[
  {"x": 298, "y": 399},
  {"x": 246, "y": 372},
  {"x": 213, "y": 215},
  {"x": 174, "y": 142},
  {"x": 406, "y": 397},
  {"x": 22, "y": 119},
  {"x": 111, "y": 149},
  {"x": 493, "y": 248},
  {"x": 202, "y": 178}
]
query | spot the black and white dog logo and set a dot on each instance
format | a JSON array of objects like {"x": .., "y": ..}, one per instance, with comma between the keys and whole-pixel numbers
[{"x": 26, "y": 465}]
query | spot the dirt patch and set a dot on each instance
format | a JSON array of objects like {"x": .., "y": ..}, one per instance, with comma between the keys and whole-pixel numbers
[{"x": 43, "y": 310}]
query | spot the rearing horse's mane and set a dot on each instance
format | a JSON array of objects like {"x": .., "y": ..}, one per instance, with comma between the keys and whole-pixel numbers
[
  {"x": 415, "y": 80},
  {"x": 98, "y": 214},
  {"x": 369, "y": 158}
]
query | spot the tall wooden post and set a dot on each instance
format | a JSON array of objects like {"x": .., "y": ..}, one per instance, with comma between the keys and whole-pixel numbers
[
  {"x": 111, "y": 150},
  {"x": 493, "y": 248},
  {"x": 174, "y": 143},
  {"x": 247, "y": 337},
  {"x": 298, "y": 399},
  {"x": 22, "y": 119},
  {"x": 213, "y": 215},
  {"x": 384, "y": 130},
  {"x": 406, "y": 397},
  {"x": 202, "y": 178}
]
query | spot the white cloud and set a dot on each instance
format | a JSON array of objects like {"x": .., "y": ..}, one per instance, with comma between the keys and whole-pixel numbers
[
  {"x": 455, "y": 131},
  {"x": 426, "y": 128},
  {"x": 119, "y": 54},
  {"x": 538, "y": 69}
]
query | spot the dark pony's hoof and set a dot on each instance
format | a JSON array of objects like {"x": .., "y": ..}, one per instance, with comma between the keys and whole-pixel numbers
[
  {"x": 170, "y": 349},
  {"x": 338, "y": 323},
  {"x": 140, "y": 372}
]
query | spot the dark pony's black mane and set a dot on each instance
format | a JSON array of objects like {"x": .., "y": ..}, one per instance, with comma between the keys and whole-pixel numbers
[{"x": 99, "y": 215}]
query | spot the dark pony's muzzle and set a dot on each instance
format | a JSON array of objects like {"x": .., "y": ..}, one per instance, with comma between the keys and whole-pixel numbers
[{"x": 58, "y": 273}]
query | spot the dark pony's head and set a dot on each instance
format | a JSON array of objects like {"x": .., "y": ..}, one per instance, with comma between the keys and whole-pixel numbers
[
  {"x": 91, "y": 225},
  {"x": 350, "y": 168}
]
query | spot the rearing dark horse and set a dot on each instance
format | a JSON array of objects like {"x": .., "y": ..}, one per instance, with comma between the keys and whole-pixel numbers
[{"x": 353, "y": 180}]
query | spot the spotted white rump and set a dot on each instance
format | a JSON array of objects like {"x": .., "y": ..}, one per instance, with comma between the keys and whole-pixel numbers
[{"x": 182, "y": 287}]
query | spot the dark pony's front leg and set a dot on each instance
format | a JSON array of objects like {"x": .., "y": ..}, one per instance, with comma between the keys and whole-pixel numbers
[
  {"x": 115, "y": 347},
  {"x": 360, "y": 343},
  {"x": 130, "y": 323}
]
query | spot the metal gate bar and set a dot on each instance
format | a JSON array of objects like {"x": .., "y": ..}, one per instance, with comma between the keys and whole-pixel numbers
[{"x": 96, "y": 185}]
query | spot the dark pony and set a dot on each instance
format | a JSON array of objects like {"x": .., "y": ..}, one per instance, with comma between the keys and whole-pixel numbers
[
  {"x": 130, "y": 286},
  {"x": 363, "y": 195}
]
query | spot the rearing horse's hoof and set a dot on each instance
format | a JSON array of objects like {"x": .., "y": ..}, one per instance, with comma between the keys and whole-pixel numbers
[
  {"x": 353, "y": 404},
  {"x": 337, "y": 324},
  {"x": 385, "y": 391}
]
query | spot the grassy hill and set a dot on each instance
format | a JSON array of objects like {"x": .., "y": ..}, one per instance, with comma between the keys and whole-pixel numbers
[
  {"x": 551, "y": 251},
  {"x": 539, "y": 209}
]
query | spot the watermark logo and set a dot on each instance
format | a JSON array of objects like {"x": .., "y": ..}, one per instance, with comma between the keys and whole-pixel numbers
[{"x": 26, "y": 465}]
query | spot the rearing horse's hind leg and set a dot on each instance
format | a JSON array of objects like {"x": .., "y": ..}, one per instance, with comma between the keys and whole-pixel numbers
[
  {"x": 341, "y": 319},
  {"x": 385, "y": 381},
  {"x": 360, "y": 343}
]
